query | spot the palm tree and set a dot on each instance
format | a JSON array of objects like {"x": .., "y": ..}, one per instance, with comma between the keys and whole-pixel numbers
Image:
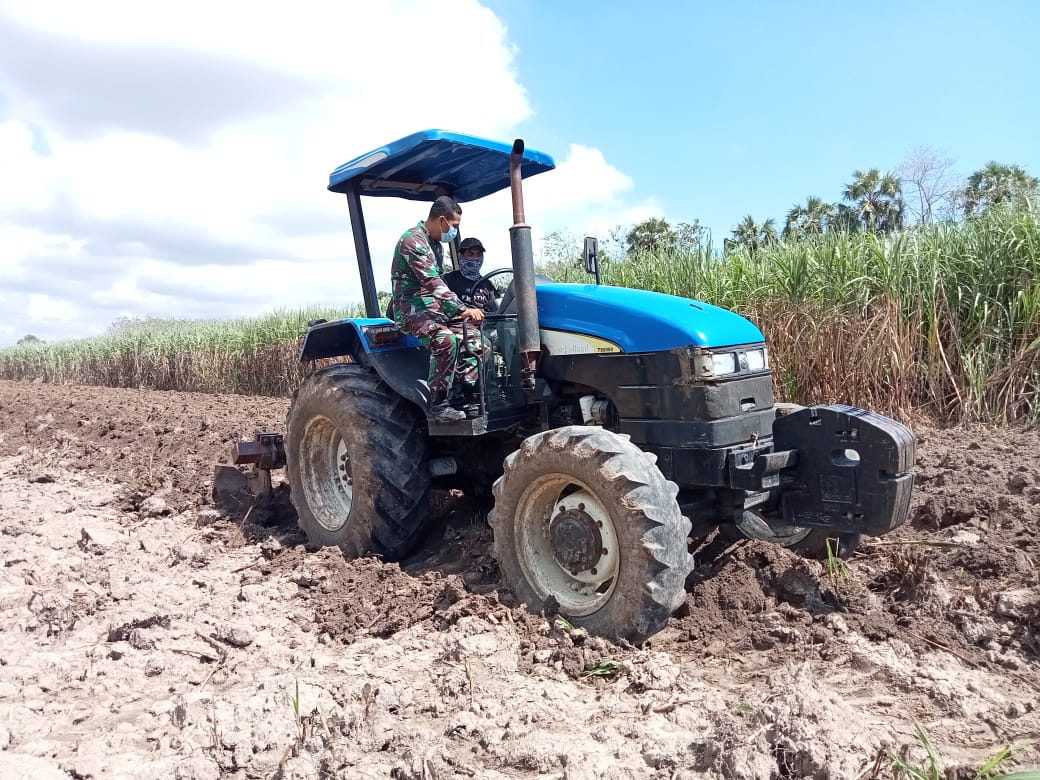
[
  {"x": 996, "y": 184},
  {"x": 811, "y": 219},
  {"x": 877, "y": 200},
  {"x": 751, "y": 235},
  {"x": 846, "y": 219}
]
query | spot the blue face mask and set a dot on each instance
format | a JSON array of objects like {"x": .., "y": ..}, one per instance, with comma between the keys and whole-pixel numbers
[{"x": 450, "y": 235}]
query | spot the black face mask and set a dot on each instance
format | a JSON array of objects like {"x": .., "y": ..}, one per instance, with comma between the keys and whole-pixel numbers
[{"x": 470, "y": 268}]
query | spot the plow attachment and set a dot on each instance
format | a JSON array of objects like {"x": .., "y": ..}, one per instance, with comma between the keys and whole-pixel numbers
[{"x": 233, "y": 485}]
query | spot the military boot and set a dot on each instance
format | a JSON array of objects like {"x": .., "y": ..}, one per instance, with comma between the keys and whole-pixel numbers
[
  {"x": 470, "y": 401},
  {"x": 442, "y": 411}
]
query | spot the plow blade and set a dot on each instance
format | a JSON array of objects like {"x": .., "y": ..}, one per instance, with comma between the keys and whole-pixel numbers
[
  {"x": 248, "y": 476},
  {"x": 853, "y": 471}
]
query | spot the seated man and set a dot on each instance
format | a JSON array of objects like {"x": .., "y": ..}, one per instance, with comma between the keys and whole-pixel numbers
[
  {"x": 423, "y": 304},
  {"x": 462, "y": 280}
]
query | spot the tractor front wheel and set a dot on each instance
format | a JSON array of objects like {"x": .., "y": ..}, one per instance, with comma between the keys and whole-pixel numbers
[
  {"x": 585, "y": 518},
  {"x": 356, "y": 462}
]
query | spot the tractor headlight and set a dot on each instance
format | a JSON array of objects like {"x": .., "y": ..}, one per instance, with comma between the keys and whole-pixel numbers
[
  {"x": 715, "y": 365},
  {"x": 723, "y": 364},
  {"x": 710, "y": 366},
  {"x": 757, "y": 359}
]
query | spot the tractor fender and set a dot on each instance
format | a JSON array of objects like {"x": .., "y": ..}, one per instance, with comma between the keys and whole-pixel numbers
[
  {"x": 339, "y": 338},
  {"x": 404, "y": 365}
]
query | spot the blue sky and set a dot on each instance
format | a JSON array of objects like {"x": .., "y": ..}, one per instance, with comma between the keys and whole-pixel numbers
[
  {"x": 170, "y": 160},
  {"x": 718, "y": 110}
]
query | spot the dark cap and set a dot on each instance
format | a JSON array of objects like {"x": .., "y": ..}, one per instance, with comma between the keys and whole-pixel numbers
[{"x": 469, "y": 243}]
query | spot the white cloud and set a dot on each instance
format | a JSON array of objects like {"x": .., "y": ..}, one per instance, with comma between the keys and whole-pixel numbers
[
  {"x": 46, "y": 309},
  {"x": 25, "y": 179},
  {"x": 148, "y": 196},
  {"x": 585, "y": 195}
]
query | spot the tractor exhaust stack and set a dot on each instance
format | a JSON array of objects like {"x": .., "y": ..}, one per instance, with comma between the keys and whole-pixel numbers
[{"x": 523, "y": 272}]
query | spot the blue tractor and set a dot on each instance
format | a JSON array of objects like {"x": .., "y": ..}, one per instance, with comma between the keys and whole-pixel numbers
[{"x": 609, "y": 422}]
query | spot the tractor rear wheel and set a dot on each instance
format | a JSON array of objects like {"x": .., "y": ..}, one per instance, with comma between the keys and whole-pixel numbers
[
  {"x": 356, "y": 462},
  {"x": 585, "y": 518}
]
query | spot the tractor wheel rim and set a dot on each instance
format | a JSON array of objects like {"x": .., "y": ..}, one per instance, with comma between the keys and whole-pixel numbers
[
  {"x": 327, "y": 479},
  {"x": 582, "y": 581}
]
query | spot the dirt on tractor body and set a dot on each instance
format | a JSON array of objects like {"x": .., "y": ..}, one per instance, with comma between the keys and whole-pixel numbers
[{"x": 145, "y": 632}]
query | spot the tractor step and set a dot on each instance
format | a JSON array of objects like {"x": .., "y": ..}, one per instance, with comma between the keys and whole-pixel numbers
[{"x": 470, "y": 426}]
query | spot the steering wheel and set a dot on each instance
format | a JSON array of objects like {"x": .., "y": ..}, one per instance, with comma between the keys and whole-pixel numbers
[{"x": 499, "y": 291}]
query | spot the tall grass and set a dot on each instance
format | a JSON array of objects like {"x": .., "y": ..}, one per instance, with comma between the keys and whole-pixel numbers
[
  {"x": 941, "y": 321},
  {"x": 254, "y": 356}
]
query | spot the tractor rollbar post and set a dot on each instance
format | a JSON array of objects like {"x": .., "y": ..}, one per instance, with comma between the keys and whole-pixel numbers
[
  {"x": 523, "y": 271},
  {"x": 364, "y": 256}
]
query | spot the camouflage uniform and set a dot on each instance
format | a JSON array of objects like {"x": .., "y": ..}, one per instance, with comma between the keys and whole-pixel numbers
[{"x": 422, "y": 305}]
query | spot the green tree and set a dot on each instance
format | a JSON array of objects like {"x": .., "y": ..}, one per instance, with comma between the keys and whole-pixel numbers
[
  {"x": 564, "y": 247},
  {"x": 752, "y": 235},
  {"x": 877, "y": 200},
  {"x": 29, "y": 339},
  {"x": 810, "y": 219},
  {"x": 846, "y": 219},
  {"x": 689, "y": 236},
  {"x": 996, "y": 184},
  {"x": 650, "y": 236},
  {"x": 561, "y": 246},
  {"x": 614, "y": 245}
]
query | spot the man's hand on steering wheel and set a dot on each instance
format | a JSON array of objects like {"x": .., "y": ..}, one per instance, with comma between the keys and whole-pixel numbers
[{"x": 477, "y": 315}]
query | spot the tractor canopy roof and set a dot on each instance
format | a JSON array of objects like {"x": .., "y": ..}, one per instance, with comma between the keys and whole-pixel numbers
[{"x": 430, "y": 163}]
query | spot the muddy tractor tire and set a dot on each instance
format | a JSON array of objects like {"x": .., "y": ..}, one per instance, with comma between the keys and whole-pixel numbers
[
  {"x": 586, "y": 523},
  {"x": 356, "y": 463},
  {"x": 815, "y": 543}
]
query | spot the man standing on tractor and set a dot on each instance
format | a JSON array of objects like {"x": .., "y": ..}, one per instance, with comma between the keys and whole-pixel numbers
[
  {"x": 463, "y": 280},
  {"x": 423, "y": 305}
]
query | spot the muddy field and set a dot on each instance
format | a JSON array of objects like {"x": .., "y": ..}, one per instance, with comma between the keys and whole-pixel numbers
[{"x": 146, "y": 633}]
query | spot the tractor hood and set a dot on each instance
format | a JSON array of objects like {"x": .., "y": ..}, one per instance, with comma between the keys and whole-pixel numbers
[{"x": 639, "y": 320}]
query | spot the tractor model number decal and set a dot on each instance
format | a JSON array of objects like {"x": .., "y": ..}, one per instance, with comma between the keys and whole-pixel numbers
[{"x": 560, "y": 342}]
